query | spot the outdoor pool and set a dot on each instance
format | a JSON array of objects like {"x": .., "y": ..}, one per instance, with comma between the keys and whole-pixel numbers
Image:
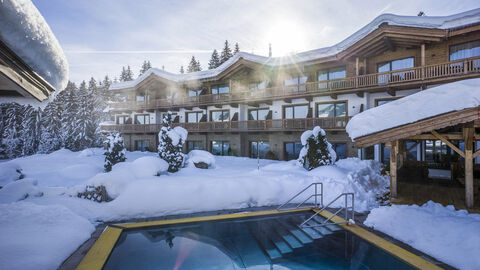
[{"x": 261, "y": 242}]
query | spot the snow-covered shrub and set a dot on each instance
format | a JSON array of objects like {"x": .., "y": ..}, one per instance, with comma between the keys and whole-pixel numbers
[
  {"x": 197, "y": 157},
  {"x": 115, "y": 150},
  {"x": 19, "y": 190},
  {"x": 316, "y": 150},
  {"x": 170, "y": 142}
]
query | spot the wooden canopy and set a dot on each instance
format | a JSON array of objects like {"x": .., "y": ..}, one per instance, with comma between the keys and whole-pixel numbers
[{"x": 465, "y": 121}]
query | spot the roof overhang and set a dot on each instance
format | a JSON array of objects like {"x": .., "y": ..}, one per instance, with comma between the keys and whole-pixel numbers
[
  {"x": 425, "y": 125},
  {"x": 17, "y": 77}
]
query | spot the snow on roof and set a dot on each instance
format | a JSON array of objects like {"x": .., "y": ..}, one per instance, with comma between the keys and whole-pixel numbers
[
  {"x": 25, "y": 32},
  {"x": 438, "y": 22},
  {"x": 425, "y": 104}
]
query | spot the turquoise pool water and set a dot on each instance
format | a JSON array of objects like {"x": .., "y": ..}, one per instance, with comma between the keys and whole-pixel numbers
[{"x": 271, "y": 242}]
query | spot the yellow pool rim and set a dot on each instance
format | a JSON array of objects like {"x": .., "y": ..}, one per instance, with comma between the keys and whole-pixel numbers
[{"x": 98, "y": 254}]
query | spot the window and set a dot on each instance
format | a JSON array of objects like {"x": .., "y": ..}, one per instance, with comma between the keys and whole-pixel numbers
[
  {"x": 253, "y": 86},
  {"x": 221, "y": 148},
  {"x": 259, "y": 149},
  {"x": 292, "y": 150},
  {"x": 385, "y": 154},
  {"x": 379, "y": 102},
  {"x": 174, "y": 115},
  {"x": 465, "y": 50},
  {"x": 194, "y": 93},
  {"x": 194, "y": 117},
  {"x": 331, "y": 74},
  {"x": 392, "y": 66},
  {"x": 337, "y": 109},
  {"x": 219, "y": 116},
  {"x": 258, "y": 114},
  {"x": 295, "y": 111},
  {"x": 220, "y": 89},
  {"x": 141, "y": 119},
  {"x": 172, "y": 94},
  {"x": 194, "y": 145},
  {"x": 141, "y": 145},
  {"x": 340, "y": 149},
  {"x": 296, "y": 83},
  {"x": 122, "y": 119}
]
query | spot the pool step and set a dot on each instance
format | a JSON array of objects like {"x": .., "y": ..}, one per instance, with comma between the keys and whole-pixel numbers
[
  {"x": 265, "y": 244},
  {"x": 276, "y": 239},
  {"x": 331, "y": 227}
]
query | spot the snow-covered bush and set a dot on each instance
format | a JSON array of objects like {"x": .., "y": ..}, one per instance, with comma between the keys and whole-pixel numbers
[
  {"x": 19, "y": 190},
  {"x": 170, "y": 142},
  {"x": 197, "y": 157},
  {"x": 115, "y": 150},
  {"x": 316, "y": 150}
]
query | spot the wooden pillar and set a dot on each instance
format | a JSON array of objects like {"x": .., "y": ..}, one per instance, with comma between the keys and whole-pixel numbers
[
  {"x": 422, "y": 61},
  {"x": 468, "y": 131},
  {"x": 393, "y": 169}
]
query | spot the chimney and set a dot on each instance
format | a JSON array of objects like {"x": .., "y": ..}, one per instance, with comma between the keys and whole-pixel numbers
[{"x": 269, "y": 49}]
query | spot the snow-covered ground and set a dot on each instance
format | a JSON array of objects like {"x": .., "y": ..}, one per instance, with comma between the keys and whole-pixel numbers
[
  {"x": 43, "y": 205},
  {"x": 442, "y": 232}
]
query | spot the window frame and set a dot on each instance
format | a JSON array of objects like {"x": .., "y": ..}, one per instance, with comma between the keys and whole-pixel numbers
[
  {"x": 257, "y": 142},
  {"x": 332, "y": 102},
  {"x": 118, "y": 116},
  {"x": 285, "y": 149},
  {"x": 223, "y": 143},
  {"x": 294, "y": 105},
  {"x": 328, "y": 73},
  {"x": 257, "y": 109},
  {"x": 196, "y": 112},
  {"x": 145, "y": 115},
  {"x": 218, "y": 86},
  {"x": 457, "y": 44},
  {"x": 385, "y": 99},
  {"x": 212, "y": 111},
  {"x": 390, "y": 64},
  {"x": 194, "y": 141}
]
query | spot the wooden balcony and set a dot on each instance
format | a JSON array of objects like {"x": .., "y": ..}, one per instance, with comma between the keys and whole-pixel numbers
[
  {"x": 327, "y": 123},
  {"x": 398, "y": 79}
]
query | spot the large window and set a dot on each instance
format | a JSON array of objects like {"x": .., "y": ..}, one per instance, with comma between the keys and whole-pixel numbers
[
  {"x": 292, "y": 150},
  {"x": 395, "y": 65},
  {"x": 254, "y": 86},
  {"x": 295, "y": 111},
  {"x": 259, "y": 149},
  {"x": 220, "y": 89},
  {"x": 141, "y": 145},
  {"x": 296, "y": 83},
  {"x": 194, "y": 92},
  {"x": 331, "y": 74},
  {"x": 220, "y": 148},
  {"x": 141, "y": 119},
  {"x": 194, "y": 145},
  {"x": 123, "y": 119},
  {"x": 258, "y": 114},
  {"x": 337, "y": 109},
  {"x": 219, "y": 116},
  {"x": 194, "y": 117},
  {"x": 340, "y": 149},
  {"x": 465, "y": 50}
]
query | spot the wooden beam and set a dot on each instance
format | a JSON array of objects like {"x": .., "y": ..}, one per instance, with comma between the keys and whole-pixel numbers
[
  {"x": 411, "y": 147},
  {"x": 389, "y": 44},
  {"x": 393, "y": 169},
  {"x": 391, "y": 92},
  {"x": 468, "y": 132},
  {"x": 447, "y": 142},
  {"x": 448, "y": 136},
  {"x": 476, "y": 154},
  {"x": 360, "y": 94},
  {"x": 334, "y": 96}
]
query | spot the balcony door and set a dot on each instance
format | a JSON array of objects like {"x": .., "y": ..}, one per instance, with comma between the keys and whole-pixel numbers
[{"x": 393, "y": 65}]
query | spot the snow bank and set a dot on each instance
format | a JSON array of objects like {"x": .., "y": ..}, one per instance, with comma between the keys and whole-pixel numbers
[
  {"x": 86, "y": 153},
  {"x": 442, "y": 232},
  {"x": 440, "y": 22},
  {"x": 124, "y": 173},
  {"x": 196, "y": 156},
  {"x": 25, "y": 32},
  {"x": 39, "y": 237},
  {"x": 10, "y": 171},
  {"x": 19, "y": 190},
  {"x": 412, "y": 108}
]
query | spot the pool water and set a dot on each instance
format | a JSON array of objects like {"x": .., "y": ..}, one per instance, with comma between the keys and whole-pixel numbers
[{"x": 269, "y": 242}]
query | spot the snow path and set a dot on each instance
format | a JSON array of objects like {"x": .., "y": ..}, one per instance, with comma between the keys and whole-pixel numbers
[{"x": 450, "y": 236}]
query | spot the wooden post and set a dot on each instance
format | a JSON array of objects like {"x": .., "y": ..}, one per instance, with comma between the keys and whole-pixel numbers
[
  {"x": 357, "y": 72},
  {"x": 393, "y": 169},
  {"x": 422, "y": 52},
  {"x": 468, "y": 131}
]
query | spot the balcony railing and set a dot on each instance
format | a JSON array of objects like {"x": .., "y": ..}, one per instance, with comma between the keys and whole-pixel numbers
[
  {"x": 327, "y": 123},
  {"x": 424, "y": 74}
]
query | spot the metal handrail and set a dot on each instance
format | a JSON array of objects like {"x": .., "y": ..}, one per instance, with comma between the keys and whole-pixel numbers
[
  {"x": 315, "y": 195},
  {"x": 326, "y": 222}
]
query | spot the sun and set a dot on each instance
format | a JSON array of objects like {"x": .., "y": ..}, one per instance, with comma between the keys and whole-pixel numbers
[{"x": 286, "y": 37}]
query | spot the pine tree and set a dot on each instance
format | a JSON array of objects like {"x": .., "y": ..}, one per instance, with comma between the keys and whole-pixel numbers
[
  {"x": 104, "y": 91},
  {"x": 170, "y": 143},
  {"x": 226, "y": 53},
  {"x": 69, "y": 103},
  {"x": 214, "y": 60},
  {"x": 123, "y": 74},
  {"x": 29, "y": 130},
  {"x": 50, "y": 127},
  {"x": 11, "y": 144},
  {"x": 237, "y": 49},
  {"x": 128, "y": 74},
  {"x": 145, "y": 66},
  {"x": 83, "y": 131},
  {"x": 182, "y": 70},
  {"x": 316, "y": 151},
  {"x": 115, "y": 152},
  {"x": 194, "y": 65}
]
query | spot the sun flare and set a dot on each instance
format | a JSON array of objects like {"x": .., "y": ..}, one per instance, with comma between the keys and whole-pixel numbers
[{"x": 286, "y": 37}]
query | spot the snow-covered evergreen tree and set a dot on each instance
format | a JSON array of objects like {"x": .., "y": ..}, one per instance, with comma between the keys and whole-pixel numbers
[
  {"x": 115, "y": 152},
  {"x": 69, "y": 102},
  {"x": 29, "y": 130},
  {"x": 170, "y": 143},
  {"x": 182, "y": 70},
  {"x": 145, "y": 66},
  {"x": 214, "y": 60},
  {"x": 237, "y": 49},
  {"x": 128, "y": 74},
  {"x": 316, "y": 151},
  {"x": 11, "y": 144},
  {"x": 50, "y": 128},
  {"x": 84, "y": 126},
  {"x": 194, "y": 65},
  {"x": 226, "y": 53}
]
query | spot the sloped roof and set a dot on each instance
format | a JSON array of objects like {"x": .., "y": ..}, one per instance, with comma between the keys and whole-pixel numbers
[
  {"x": 432, "y": 22},
  {"x": 429, "y": 103}
]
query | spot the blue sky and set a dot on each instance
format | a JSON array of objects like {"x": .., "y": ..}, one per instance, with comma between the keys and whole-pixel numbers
[{"x": 100, "y": 36}]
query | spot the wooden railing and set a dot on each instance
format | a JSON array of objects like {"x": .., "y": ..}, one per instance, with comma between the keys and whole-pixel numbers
[
  {"x": 422, "y": 74},
  {"x": 327, "y": 123}
]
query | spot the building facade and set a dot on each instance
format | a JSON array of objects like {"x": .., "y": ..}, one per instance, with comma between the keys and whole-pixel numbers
[{"x": 253, "y": 105}]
